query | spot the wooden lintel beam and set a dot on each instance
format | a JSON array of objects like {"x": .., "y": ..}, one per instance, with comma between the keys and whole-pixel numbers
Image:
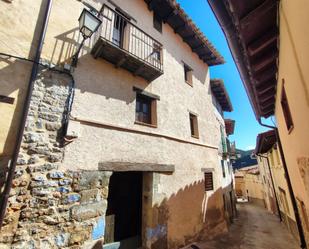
[
  {"x": 134, "y": 166},
  {"x": 263, "y": 42},
  {"x": 256, "y": 14}
]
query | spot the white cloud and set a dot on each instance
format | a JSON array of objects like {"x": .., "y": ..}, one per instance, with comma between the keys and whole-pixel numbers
[{"x": 250, "y": 147}]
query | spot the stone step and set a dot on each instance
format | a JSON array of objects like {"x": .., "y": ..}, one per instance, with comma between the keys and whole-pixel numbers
[{"x": 130, "y": 243}]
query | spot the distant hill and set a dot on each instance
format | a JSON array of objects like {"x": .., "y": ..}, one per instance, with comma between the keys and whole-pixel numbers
[{"x": 245, "y": 159}]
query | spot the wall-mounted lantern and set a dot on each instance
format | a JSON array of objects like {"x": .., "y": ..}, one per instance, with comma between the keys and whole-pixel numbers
[{"x": 88, "y": 24}]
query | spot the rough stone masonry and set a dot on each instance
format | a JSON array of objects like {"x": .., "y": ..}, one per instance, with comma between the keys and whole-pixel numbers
[{"x": 48, "y": 207}]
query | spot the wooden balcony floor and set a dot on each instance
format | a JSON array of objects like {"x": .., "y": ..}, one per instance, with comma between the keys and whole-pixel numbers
[{"x": 122, "y": 58}]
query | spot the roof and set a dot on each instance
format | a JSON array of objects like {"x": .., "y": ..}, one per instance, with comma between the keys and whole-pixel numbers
[
  {"x": 253, "y": 170},
  {"x": 265, "y": 141},
  {"x": 251, "y": 30},
  {"x": 219, "y": 91},
  {"x": 171, "y": 13},
  {"x": 229, "y": 126}
]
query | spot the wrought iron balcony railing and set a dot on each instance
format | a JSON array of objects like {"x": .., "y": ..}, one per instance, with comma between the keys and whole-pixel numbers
[{"x": 125, "y": 45}]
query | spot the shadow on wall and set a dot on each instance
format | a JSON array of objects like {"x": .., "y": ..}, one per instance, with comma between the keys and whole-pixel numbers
[
  {"x": 96, "y": 76},
  {"x": 14, "y": 77},
  {"x": 187, "y": 216}
]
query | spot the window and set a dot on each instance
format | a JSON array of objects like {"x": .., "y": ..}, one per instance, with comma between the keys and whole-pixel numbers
[
  {"x": 146, "y": 110},
  {"x": 193, "y": 125},
  {"x": 286, "y": 109},
  {"x": 188, "y": 74},
  {"x": 118, "y": 31},
  {"x": 223, "y": 168},
  {"x": 209, "y": 185},
  {"x": 157, "y": 22}
]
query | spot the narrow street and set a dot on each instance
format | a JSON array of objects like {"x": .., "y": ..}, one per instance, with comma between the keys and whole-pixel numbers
[{"x": 254, "y": 228}]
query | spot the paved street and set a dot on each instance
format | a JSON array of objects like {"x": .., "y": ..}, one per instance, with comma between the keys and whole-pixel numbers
[{"x": 254, "y": 228}]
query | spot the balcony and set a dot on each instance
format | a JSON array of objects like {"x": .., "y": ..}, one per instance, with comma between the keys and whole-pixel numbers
[
  {"x": 125, "y": 45},
  {"x": 231, "y": 148}
]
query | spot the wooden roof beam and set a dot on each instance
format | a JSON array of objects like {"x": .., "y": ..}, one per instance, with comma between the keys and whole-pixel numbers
[
  {"x": 265, "y": 87},
  {"x": 181, "y": 28},
  {"x": 267, "y": 102},
  {"x": 267, "y": 106},
  {"x": 189, "y": 38},
  {"x": 267, "y": 95},
  {"x": 265, "y": 75},
  {"x": 151, "y": 5},
  {"x": 195, "y": 49},
  {"x": 263, "y": 42},
  {"x": 255, "y": 14},
  {"x": 170, "y": 16},
  {"x": 265, "y": 61}
]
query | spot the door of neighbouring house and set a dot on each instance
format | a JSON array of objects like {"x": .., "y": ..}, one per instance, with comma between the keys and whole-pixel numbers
[
  {"x": 124, "y": 211},
  {"x": 284, "y": 202}
]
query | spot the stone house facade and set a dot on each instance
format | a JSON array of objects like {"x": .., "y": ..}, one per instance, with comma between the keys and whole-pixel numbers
[
  {"x": 227, "y": 149},
  {"x": 123, "y": 149}
]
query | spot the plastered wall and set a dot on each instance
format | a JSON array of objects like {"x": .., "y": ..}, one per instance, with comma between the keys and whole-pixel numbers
[{"x": 293, "y": 64}]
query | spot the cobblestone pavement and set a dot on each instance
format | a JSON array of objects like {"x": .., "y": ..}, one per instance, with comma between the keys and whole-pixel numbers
[{"x": 254, "y": 228}]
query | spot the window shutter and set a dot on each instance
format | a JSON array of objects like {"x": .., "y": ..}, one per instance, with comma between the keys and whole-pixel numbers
[{"x": 208, "y": 181}]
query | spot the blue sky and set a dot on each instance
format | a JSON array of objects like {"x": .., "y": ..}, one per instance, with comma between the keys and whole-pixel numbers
[{"x": 247, "y": 127}]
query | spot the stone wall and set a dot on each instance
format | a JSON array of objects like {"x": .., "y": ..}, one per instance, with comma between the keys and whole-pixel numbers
[{"x": 48, "y": 207}]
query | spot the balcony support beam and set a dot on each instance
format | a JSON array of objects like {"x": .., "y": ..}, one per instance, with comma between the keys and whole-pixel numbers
[
  {"x": 99, "y": 50},
  {"x": 138, "y": 71},
  {"x": 121, "y": 61}
]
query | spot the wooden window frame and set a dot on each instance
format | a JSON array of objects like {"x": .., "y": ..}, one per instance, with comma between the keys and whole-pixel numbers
[
  {"x": 286, "y": 109},
  {"x": 157, "y": 22},
  {"x": 208, "y": 181},
  {"x": 188, "y": 74},
  {"x": 193, "y": 125},
  {"x": 152, "y": 99}
]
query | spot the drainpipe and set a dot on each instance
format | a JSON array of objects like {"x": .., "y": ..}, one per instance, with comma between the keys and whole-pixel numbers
[
  {"x": 272, "y": 183},
  {"x": 20, "y": 134},
  {"x": 288, "y": 180}
]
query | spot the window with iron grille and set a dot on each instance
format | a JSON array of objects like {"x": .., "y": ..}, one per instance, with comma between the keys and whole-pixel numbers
[
  {"x": 286, "y": 110},
  {"x": 208, "y": 181}
]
